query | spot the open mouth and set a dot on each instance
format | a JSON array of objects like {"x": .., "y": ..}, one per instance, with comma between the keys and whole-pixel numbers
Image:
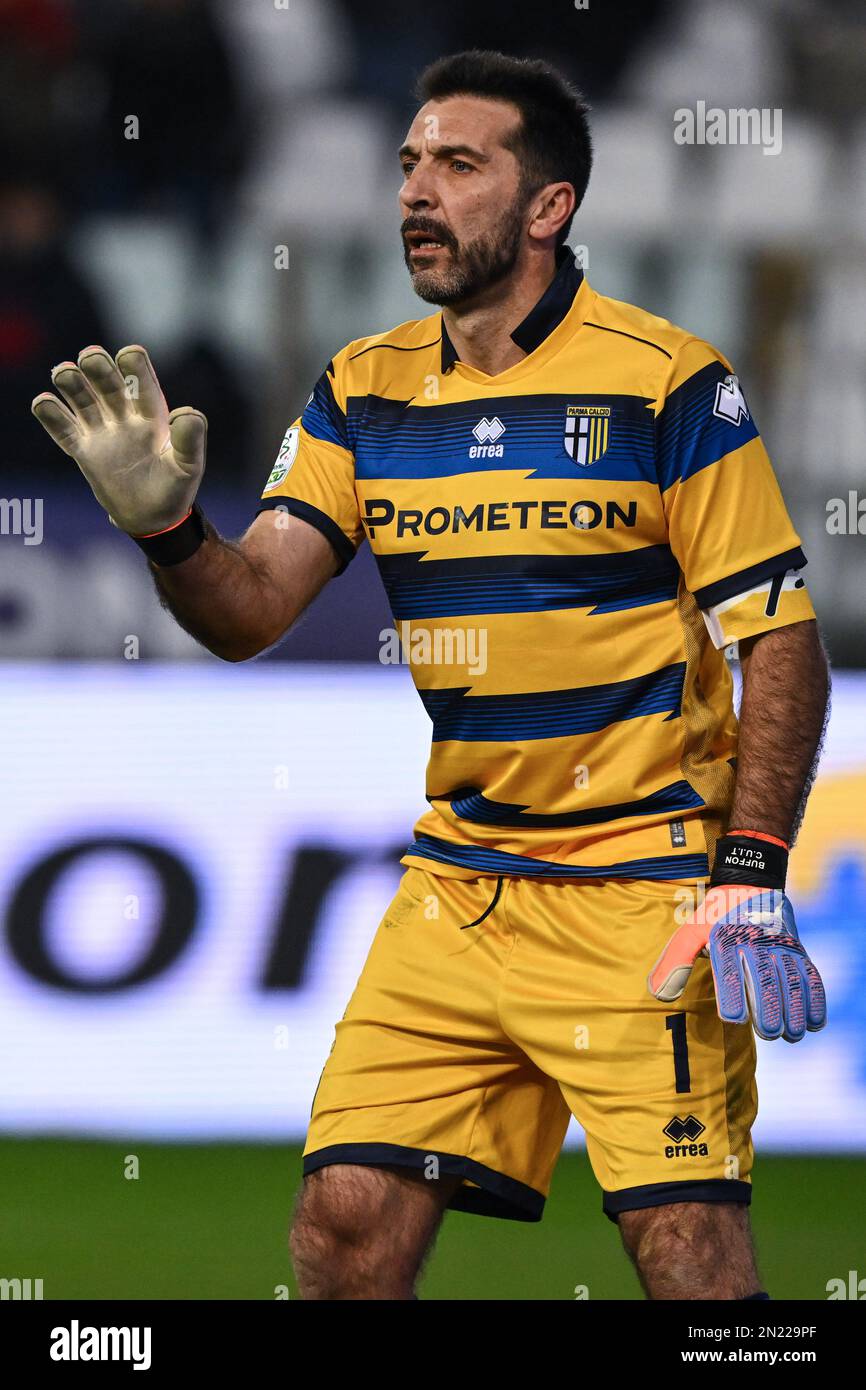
[{"x": 422, "y": 242}]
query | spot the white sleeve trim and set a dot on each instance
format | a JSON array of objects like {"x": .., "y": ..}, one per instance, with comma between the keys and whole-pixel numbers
[{"x": 715, "y": 617}]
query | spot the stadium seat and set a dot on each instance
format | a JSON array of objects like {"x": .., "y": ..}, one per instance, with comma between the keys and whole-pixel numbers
[
  {"x": 634, "y": 172},
  {"x": 144, "y": 270},
  {"x": 325, "y": 169},
  {"x": 765, "y": 199},
  {"x": 851, "y": 193},
  {"x": 288, "y": 51},
  {"x": 724, "y": 51}
]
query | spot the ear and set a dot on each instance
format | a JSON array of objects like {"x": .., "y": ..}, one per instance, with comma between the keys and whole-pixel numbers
[{"x": 550, "y": 209}]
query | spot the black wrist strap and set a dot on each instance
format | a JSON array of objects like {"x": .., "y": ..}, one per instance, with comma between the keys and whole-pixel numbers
[
  {"x": 746, "y": 860},
  {"x": 178, "y": 544}
]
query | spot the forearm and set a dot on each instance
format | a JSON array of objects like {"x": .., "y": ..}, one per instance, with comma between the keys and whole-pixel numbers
[
  {"x": 219, "y": 596},
  {"x": 782, "y": 719},
  {"x": 745, "y": 922}
]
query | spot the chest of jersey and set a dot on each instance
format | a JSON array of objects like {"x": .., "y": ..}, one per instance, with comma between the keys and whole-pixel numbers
[{"x": 562, "y": 474}]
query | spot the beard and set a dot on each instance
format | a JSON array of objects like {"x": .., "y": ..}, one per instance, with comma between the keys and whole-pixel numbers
[{"x": 473, "y": 266}]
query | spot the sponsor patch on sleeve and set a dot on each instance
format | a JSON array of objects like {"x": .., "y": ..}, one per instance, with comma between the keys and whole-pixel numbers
[
  {"x": 285, "y": 458},
  {"x": 730, "y": 403}
]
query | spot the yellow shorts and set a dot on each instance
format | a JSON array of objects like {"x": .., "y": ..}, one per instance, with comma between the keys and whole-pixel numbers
[{"x": 490, "y": 1009}]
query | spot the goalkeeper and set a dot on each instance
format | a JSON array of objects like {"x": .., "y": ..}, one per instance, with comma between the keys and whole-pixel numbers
[
  {"x": 145, "y": 465},
  {"x": 745, "y": 923},
  {"x": 587, "y": 481}
]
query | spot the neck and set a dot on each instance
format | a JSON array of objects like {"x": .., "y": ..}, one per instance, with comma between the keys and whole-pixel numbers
[{"x": 481, "y": 328}]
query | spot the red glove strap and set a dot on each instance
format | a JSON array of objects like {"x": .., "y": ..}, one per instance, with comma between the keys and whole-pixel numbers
[
  {"x": 148, "y": 535},
  {"x": 759, "y": 835}
]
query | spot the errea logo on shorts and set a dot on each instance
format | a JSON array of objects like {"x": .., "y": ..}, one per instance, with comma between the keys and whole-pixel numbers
[
  {"x": 487, "y": 432},
  {"x": 689, "y": 1129}
]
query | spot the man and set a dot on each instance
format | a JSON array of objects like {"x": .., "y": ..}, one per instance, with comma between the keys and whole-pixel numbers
[{"x": 576, "y": 488}]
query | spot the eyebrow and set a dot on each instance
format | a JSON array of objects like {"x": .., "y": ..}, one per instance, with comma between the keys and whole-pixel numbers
[{"x": 447, "y": 152}]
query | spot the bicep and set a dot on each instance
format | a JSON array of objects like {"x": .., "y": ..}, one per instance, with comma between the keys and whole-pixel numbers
[{"x": 294, "y": 562}]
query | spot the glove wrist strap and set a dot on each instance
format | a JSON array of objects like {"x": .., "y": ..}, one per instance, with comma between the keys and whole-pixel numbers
[
  {"x": 178, "y": 542},
  {"x": 751, "y": 858}
]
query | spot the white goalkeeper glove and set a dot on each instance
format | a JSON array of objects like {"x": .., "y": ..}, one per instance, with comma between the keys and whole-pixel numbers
[{"x": 143, "y": 464}]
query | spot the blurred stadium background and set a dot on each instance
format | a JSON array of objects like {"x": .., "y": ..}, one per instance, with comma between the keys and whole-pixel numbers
[{"x": 194, "y": 857}]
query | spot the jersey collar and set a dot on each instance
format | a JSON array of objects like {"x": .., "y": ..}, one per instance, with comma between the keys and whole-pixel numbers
[{"x": 541, "y": 320}]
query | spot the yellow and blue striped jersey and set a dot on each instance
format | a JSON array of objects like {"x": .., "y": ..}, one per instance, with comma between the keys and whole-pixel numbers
[{"x": 567, "y": 548}]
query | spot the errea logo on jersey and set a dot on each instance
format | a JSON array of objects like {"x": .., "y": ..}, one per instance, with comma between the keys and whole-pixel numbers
[
  {"x": 487, "y": 432},
  {"x": 730, "y": 403}
]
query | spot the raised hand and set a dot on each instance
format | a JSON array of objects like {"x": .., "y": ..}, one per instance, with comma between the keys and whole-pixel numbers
[{"x": 143, "y": 463}]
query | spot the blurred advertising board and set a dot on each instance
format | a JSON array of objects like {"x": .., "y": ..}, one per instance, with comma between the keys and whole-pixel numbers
[{"x": 194, "y": 859}]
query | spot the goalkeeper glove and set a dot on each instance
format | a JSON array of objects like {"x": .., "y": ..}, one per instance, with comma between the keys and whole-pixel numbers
[
  {"x": 746, "y": 926},
  {"x": 143, "y": 464}
]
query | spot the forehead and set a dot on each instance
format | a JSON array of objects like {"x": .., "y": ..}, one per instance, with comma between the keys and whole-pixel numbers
[{"x": 484, "y": 122}]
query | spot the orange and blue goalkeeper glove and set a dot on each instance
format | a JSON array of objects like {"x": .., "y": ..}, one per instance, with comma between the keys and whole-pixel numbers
[{"x": 746, "y": 926}]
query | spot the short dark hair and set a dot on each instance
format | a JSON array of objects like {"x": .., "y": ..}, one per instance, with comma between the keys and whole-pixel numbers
[{"x": 552, "y": 142}]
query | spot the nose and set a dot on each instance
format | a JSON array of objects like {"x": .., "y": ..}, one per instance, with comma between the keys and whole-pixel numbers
[{"x": 417, "y": 192}]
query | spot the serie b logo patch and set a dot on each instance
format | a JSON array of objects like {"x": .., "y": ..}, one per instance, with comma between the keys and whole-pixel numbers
[
  {"x": 587, "y": 433},
  {"x": 285, "y": 458}
]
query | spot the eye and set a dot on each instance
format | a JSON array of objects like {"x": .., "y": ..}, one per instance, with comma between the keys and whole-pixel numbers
[
  {"x": 407, "y": 166},
  {"x": 462, "y": 165}
]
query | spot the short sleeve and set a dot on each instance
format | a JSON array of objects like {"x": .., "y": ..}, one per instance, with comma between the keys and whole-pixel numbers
[
  {"x": 728, "y": 526},
  {"x": 313, "y": 476}
]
